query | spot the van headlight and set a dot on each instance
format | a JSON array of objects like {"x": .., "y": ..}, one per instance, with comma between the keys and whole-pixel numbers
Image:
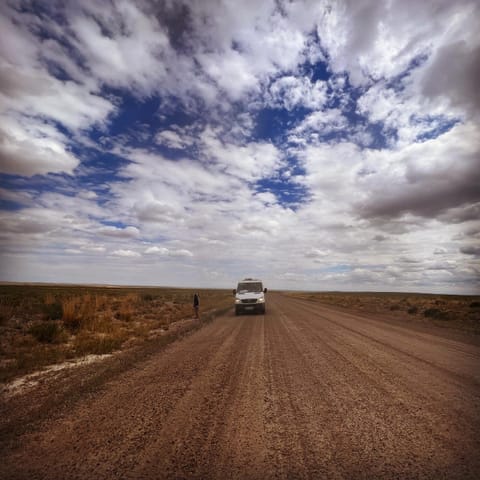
[
  {"x": 237, "y": 300},
  {"x": 261, "y": 300}
]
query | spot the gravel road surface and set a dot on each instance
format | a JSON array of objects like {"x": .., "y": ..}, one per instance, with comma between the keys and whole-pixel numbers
[{"x": 305, "y": 391}]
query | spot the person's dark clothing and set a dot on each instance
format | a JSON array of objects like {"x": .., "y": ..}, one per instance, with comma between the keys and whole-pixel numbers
[{"x": 196, "y": 303}]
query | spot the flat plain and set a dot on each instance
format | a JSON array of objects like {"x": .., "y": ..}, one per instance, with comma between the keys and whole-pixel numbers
[
  {"x": 41, "y": 325},
  {"x": 309, "y": 390}
]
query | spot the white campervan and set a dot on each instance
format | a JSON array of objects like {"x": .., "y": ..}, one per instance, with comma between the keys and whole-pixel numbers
[{"x": 249, "y": 296}]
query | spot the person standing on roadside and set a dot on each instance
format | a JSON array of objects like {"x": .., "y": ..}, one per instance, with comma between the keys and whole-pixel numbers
[{"x": 196, "y": 304}]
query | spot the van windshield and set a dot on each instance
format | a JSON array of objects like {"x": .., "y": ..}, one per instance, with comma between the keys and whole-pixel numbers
[{"x": 255, "y": 287}]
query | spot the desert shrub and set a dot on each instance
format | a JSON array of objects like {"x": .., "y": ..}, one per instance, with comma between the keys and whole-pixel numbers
[
  {"x": 124, "y": 314},
  {"x": 87, "y": 311},
  {"x": 32, "y": 359},
  {"x": 102, "y": 324},
  {"x": 101, "y": 302},
  {"x": 79, "y": 312},
  {"x": 45, "y": 332},
  {"x": 435, "y": 313},
  {"x": 69, "y": 317},
  {"x": 6, "y": 312},
  {"x": 475, "y": 305},
  {"x": 97, "y": 344},
  {"x": 394, "y": 307},
  {"x": 69, "y": 306},
  {"x": 131, "y": 299},
  {"x": 53, "y": 311},
  {"x": 412, "y": 310},
  {"x": 147, "y": 297},
  {"x": 126, "y": 308},
  {"x": 49, "y": 299}
]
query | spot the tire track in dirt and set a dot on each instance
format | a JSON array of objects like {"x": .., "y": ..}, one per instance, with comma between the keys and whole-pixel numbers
[
  {"x": 404, "y": 426},
  {"x": 216, "y": 429},
  {"x": 402, "y": 339},
  {"x": 297, "y": 410}
]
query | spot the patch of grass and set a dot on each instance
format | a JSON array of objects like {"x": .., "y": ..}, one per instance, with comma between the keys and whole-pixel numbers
[
  {"x": 460, "y": 312},
  {"x": 53, "y": 311},
  {"x": 89, "y": 320},
  {"x": 6, "y": 312},
  {"x": 125, "y": 314},
  {"x": 69, "y": 314},
  {"x": 28, "y": 360},
  {"x": 79, "y": 312},
  {"x": 435, "y": 313},
  {"x": 127, "y": 307},
  {"x": 45, "y": 332},
  {"x": 98, "y": 344},
  {"x": 50, "y": 299}
]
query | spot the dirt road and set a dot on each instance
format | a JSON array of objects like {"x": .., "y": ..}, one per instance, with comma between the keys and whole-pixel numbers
[{"x": 305, "y": 391}]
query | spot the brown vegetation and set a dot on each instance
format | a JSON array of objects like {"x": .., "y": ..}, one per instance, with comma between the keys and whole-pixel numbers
[
  {"x": 41, "y": 325},
  {"x": 461, "y": 312}
]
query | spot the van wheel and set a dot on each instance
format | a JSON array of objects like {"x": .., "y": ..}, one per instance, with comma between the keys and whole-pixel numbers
[{"x": 237, "y": 311}]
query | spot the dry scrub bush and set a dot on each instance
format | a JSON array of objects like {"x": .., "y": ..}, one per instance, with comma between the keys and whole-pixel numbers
[
  {"x": 79, "y": 321},
  {"x": 53, "y": 311},
  {"x": 94, "y": 313},
  {"x": 435, "y": 313},
  {"x": 101, "y": 302},
  {"x": 103, "y": 323},
  {"x": 69, "y": 316},
  {"x": 49, "y": 299},
  {"x": 45, "y": 332},
  {"x": 46, "y": 354},
  {"x": 7, "y": 311},
  {"x": 87, "y": 311},
  {"x": 98, "y": 344},
  {"x": 78, "y": 312},
  {"x": 132, "y": 298},
  {"x": 147, "y": 297},
  {"x": 125, "y": 314},
  {"x": 127, "y": 307},
  {"x": 141, "y": 330}
]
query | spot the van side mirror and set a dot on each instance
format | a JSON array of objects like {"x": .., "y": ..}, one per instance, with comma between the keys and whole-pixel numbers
[
  {"x": 264, "y": 290},
  {"x": 234, "y": 291}
]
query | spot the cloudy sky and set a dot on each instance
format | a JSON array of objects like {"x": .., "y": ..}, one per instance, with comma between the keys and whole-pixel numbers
[{"x": 314, "y": 144}]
